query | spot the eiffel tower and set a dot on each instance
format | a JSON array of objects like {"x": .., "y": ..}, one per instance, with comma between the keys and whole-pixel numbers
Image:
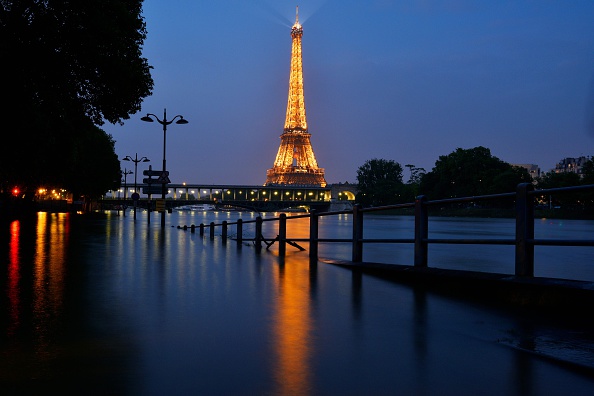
[{"x": 295, "y": 162}]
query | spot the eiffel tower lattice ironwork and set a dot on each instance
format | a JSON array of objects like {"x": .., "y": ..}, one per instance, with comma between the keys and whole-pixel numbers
[{"x": 295, "y": 162}]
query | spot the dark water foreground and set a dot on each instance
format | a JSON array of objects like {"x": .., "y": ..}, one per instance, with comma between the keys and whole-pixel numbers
[{"x": 106, "y": 305}]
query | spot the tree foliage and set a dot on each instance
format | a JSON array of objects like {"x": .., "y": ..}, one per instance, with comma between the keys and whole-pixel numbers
[
  {"x": 379, "y": 182},
  {"x": 556, "y": 180},
  {"x": 471, "y": 172},
  {"x": 563, "y": 179},
  {"x": 588, "y": 172},
  {"x": 67, "y": 65}
]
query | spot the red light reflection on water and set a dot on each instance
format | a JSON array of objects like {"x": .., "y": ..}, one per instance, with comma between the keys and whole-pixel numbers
[{"x": 14, "y": 276}]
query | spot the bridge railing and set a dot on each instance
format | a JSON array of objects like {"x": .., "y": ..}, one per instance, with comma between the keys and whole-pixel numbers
[{"x": 524, "y": 240}]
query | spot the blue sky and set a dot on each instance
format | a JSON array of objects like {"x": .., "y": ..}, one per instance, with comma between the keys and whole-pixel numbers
[{"x": 401, "y": 80}]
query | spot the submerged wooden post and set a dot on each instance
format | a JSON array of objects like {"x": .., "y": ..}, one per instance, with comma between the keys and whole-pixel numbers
[
  {"x": 212, "y": 230},
  {"x": 224, "y": 232},
  {"x": 357, "y": 253},
  {"x": 524, "y": 230},
  {"x": 282, "y": 234},
  {"x": 258, "y": 237},
  {"x": 421, "y": 231},
  {"x": 201, "y": 229},
  {"x": 239, "y": 233},
  {"x": 313, "y": 235}
]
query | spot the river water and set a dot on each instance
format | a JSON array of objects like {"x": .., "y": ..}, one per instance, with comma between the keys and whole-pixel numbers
[{"x": 103, "y": 304}]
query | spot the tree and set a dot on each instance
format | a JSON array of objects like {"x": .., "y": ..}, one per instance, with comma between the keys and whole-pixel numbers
[
  {"x": 588, "y": 178},
  {"x": 588, "y": 172},
  {"x": 556, "y": 180},
  {"x": 91, "y": 148},
  {"x": 66, "y": 64},
  {"x": 379, "y": 182},
  {"x": 471, "y": 172},
  {"x": 411, "y": 188}
]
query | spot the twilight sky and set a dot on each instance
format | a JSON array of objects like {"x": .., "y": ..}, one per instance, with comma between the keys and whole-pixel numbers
[{"x": 405, "y": 80}]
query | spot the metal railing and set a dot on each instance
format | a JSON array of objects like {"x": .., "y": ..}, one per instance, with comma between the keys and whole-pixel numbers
[{"x": 524, "y": 240}]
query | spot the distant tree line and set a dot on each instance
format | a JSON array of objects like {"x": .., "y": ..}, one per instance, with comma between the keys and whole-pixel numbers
[
  {"x": 67, "y": 67},
  {"x": 462, "y": 173}
]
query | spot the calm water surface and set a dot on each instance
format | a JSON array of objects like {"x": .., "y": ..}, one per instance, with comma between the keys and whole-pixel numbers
[{"x": 103, "y": 304}]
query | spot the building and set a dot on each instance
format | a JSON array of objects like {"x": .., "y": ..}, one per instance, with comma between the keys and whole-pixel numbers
[{"x": 573, "y": 165}]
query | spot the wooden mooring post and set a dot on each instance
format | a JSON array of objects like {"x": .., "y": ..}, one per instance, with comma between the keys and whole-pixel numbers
[
  {"x": 524, "y": 230},
  {"x": 421, "y": 231},
  {"x": 224, "y": 232},
  {"x": 282, "y": 234},
  {"x": 239, "y": 233},
  {"x": 258, "y": 237},
  {"x": 212, "y": 226},
  {"x": 313, "y": 235},
  {"x": 357, "y": 253}
]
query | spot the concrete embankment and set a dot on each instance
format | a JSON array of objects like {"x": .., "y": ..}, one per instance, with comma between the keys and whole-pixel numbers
[{"x": 550, "y": 295}]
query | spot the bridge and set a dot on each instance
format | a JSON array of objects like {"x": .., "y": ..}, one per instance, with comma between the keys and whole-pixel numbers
[{"x": 253, "y": 197}]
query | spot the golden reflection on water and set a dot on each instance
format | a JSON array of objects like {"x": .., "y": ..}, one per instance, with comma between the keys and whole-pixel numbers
[
  {"x": 52, "y": 240},
  {"x": 292, "y": 322}
]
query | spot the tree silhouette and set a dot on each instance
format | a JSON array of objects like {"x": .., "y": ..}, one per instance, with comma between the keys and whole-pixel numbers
[
  {"x": 67, "y": 65},
  {"x": 379, "y": 182}
]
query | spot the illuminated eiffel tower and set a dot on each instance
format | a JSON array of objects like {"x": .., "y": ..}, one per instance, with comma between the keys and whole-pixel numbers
[{"x": 295, "y": 162}]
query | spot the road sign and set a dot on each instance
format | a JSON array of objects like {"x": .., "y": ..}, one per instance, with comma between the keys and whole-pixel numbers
[
  {"x": 149, "y": 181},
  {"x": 152, "y": 172},
  {"x": 135, "y": 196},
  {"x": 154, "y": 189},
  {"x": 163, "y": 178}
]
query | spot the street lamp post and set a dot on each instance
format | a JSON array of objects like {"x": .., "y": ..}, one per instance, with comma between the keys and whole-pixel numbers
[
  {"x": 136, "y": 161},
  {"x": 126, "y": 172},
  {"x": 149, "y": 118}
]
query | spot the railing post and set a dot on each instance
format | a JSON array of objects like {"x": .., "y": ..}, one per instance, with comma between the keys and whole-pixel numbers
[
  {"x": 239, "y": 233},
  {"x": 524, "y": 230},
  {"x": 212, "y": 230},
  {"x": 282, "y": 234},
  {"x": 201, "y": 229},
  {"x": 224, "y": 232},
  {"x": 258, "y": 237},
  {"x": 357, "y": 254},
  {"x": 421, "y": 231},
  {"x": 313, "y": 235}
]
